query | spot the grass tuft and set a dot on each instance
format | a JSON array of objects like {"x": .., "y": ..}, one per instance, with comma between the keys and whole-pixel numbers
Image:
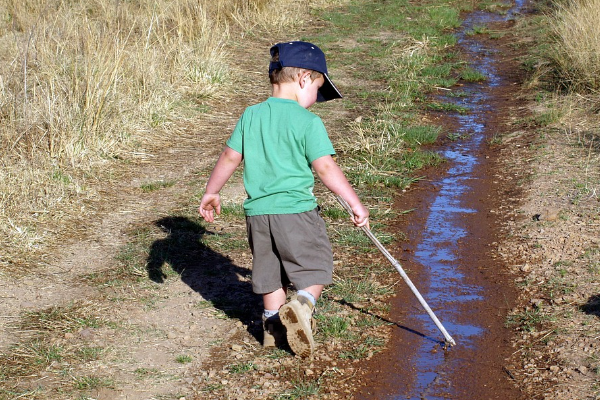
[{"x": 577, "y": 35}]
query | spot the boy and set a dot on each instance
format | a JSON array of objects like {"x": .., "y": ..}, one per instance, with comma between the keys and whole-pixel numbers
[{"x": 279, "y": 141}]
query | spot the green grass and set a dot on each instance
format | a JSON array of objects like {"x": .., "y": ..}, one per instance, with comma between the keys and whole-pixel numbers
[
  {"x": 301, "y": 390},
  {"x": 143, "y": 373},
  {"x": 472, "y": 75},
  {"x": 91, "y": 382},
  {"x": 477, "y": 30},
  {"x": 332, "y": 325},
  {"x": 153, "y": 186},
  {"x": 447, "y": 107},
  {"x": 527, "y": 320},
  {"x": 241, "y": 368},
  {"x": 233, "y": 210},
  {"x": 353, "y": 290},
  {"x": 184, "y": 359}
]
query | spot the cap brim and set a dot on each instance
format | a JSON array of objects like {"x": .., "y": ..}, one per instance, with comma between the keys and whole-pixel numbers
[{"x": 328, "y": 91}]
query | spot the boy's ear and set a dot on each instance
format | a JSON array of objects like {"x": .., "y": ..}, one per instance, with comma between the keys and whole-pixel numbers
[{"x": 304, "y": 76}]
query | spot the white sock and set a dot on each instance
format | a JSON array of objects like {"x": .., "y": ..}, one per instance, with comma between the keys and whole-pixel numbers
[
  {"x": 309, "y": 296},
  {"x": 270, "y": 313}
]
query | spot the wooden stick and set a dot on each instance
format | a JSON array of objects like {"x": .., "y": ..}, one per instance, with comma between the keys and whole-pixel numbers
[{"x": 398, "y": 267}]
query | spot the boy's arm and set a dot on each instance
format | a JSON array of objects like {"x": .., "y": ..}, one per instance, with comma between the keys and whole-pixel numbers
[
  {"x": 226, "y": 165},
  {"x": 332, "y": 176}
]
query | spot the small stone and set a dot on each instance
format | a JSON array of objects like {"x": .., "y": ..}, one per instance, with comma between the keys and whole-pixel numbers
[
  {"x": 537, "y": 303},
  {"x": 236, "y": 347},
  {"x": 309, "y": 372},
  {"x": 86, "y": 333},
  {"x": 583, "y": 369},
  {"x": 554, "y": 369}
]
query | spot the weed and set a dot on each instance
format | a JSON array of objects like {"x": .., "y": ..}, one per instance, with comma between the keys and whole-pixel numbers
[
  {"x": 213, "y": 387},
  {"x": 143, "y": 373},
  {"x": 421, "y": 134},
  {"x": 374, "y": 341},
  {"x": 352, "y": 290},
  {"x": 496, "y": 139},
  {"x": 456, "y": 136},
  {"x": 183, "y": 359},
  {"x": 86, "y": 354},
  {"x": 357, "y": 352},
  {"x": 332, "y": 325},
  {"x": 369, "y": 321},
  {"x": 91, "y": 382},
  {"x": 276, "y": 354},
  {"x": 477, "y": 30},
  {"x": 471, "y": 75},
  {"x": 575, "y": 26},
  {"x": 448, "y": 107},
  {"x": 62, "y": 319},
  {"x": 153, "y": 186},
  {"x": 528, "y": 320},
  {"x": 235, "y": 211},
  {"x": 241, "y": 368},
  {"x": 300, "y": 390}
]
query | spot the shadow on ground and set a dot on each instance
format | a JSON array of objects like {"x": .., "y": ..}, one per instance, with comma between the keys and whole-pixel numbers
[
  {"x": 592, "y": 307},
  {"x": 214, "y": 276}
]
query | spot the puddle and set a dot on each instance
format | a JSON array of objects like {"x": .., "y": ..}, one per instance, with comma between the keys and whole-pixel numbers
[
  {"x": 446, "y": 255},
  {"x": 448, "y": 291}
]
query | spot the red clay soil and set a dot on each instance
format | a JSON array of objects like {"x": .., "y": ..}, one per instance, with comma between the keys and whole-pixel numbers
[{"x": 480, "y": 371}]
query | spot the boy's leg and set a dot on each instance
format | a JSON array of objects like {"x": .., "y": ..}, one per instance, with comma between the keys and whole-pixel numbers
[
  {"x": 268, "y": 278},
  {"x": 297, "y": 317},
  {"x": 274, "y": 300},
  {"x": 315, "y": 290},
  {"x": 273, "y": 330}
]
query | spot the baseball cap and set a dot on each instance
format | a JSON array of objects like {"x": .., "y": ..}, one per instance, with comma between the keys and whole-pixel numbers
[{"x": 305, "y": 55}]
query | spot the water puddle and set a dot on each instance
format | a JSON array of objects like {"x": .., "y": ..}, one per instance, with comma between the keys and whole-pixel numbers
[
  {"x": 455, "y": 297},
  {"x": 448, "y": 291}
]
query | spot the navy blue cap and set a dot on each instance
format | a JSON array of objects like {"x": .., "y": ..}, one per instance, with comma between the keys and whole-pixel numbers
[{"x": 305, "y": 55}]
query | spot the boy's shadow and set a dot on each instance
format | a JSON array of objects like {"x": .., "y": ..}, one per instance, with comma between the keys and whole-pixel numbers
[
  {"x": 214, "y": 276},
  {"x": 592, "y": 307}
]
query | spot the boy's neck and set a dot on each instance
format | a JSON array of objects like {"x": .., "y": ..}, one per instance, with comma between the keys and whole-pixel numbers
[{"x": 286, "y": 90}]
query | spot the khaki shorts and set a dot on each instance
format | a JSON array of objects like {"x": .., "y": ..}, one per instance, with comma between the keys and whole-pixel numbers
[{"x": 289, "y": 248}]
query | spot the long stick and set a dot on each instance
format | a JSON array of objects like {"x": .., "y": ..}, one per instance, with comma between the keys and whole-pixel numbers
[{"x": 398, "y": 267}]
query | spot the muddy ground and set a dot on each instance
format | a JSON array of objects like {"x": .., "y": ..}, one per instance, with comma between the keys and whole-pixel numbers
[{"x": 165, "y": 338}]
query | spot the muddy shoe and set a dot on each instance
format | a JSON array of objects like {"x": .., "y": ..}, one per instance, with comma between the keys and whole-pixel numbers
[
  {"x": 274, "y": 332},
  {"x": 296, "y": 316}
]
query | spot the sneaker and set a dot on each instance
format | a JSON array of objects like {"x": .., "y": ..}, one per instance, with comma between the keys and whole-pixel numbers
[
  {"x": 296, "y": 316},
  {"x": 273, "y": 333}
]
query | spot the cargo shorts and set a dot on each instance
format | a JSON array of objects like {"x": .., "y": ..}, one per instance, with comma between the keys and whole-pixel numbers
[{"x": 289, "y": 248}]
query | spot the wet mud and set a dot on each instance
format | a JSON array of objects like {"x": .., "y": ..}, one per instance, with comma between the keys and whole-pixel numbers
[{"x": 449, "y": 254}]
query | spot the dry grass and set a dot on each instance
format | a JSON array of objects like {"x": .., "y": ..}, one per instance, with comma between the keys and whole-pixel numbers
[
  {"x": 88, "y": 82},
  {"x": 577, "y": 30}
]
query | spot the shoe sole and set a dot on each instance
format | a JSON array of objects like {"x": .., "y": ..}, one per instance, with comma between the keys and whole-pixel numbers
[{"x": 299, "y": 333}]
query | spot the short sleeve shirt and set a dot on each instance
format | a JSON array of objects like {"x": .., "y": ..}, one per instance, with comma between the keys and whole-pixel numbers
[{"x": 279, "y": 139}]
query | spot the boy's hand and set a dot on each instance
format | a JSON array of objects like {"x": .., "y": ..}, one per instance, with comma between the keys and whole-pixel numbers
[
  {"x": 210, "y": 204},
  {"x": 361, "y": 216}
]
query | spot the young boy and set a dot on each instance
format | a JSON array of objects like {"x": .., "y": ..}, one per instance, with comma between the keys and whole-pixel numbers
[{"x": 279, "y": 141}]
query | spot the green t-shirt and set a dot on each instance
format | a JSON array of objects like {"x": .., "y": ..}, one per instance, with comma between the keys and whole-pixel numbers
[{"x": 279, "y": 139}]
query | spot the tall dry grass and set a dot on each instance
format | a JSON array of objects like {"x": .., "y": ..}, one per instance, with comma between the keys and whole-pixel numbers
[
  {"x": 83, "y": 82},
  {"x": 576, "y": 25}
]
